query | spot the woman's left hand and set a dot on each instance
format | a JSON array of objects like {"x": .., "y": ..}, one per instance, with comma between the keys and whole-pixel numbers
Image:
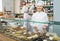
[{"x": 44, "y": 26}]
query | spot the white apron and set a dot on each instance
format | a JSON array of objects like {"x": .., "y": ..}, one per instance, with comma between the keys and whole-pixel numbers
[{"x": 39, "y": 17}]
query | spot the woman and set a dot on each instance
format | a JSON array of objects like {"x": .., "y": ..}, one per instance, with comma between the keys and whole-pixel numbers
[
  {"x": 39, "y": 16},
  {"x": 31, "y": 7},
  {"x": 24, "y": 8},
  {"x": 27, "y": 17}
]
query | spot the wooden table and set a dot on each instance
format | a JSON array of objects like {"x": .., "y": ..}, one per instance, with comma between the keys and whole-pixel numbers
[{"x": 4, "y": 38}]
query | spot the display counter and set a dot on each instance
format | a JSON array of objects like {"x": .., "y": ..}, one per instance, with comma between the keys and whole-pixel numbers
[{"x": 18, "y": 33}]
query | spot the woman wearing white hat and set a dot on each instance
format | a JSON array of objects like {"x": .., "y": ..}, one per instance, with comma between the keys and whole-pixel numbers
[{"x": 39, "y": 16}]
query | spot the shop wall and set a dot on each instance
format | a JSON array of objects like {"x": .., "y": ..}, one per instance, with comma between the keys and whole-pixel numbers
[
  {"x": 17, "y": 6},
  {"x": 57, "y": 16},
  {"x": 0, "y": 5},
  {"x": 8, "y": 5}
]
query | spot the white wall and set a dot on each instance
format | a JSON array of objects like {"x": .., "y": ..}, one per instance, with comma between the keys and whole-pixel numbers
[
  {"x": 17, "y": 6},
  {"x": 9, "y": 5},
  {"x": 0, "y": 5},
  {"x": 56, "y": 10},
  {"x": 57, "y": 16}
]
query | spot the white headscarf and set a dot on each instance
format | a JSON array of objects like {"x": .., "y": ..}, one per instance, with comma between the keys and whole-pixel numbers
[{"x": 40, "y": 3}]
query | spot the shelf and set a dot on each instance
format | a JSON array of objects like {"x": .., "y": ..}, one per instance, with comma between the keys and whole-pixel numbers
[
  {"x": 31, "y": 14},
  {"x": 49, "y": 6},
  {"x": 44, "y": 0},
  {"x": 50, "y": 14}
]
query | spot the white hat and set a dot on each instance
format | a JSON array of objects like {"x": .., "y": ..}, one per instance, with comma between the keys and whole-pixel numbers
[{"x": 40, "y": 3}]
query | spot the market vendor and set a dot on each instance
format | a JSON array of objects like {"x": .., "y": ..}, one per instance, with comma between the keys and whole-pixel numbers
[
  {"x": 32, "y": 6},
  {"x": 24, "y": 8},
  {"x": 26, "y": 18},
  {"x": 39, "y": 16}
]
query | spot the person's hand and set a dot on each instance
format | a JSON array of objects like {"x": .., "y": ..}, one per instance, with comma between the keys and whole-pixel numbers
[
  {"x": 44, "y": 26},
  {"x": 36, "y": 28}
]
